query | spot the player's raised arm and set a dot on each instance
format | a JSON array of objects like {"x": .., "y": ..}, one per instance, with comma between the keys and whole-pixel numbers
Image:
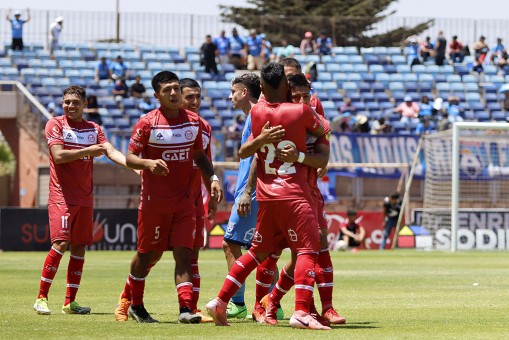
[{"x": 268, "y": 135}]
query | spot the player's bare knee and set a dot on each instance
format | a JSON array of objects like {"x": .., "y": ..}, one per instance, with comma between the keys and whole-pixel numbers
[{"x": 61, "y": 246}]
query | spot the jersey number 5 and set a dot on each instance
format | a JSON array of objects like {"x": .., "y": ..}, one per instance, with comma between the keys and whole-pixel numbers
[{"x": 286, "y": 168}]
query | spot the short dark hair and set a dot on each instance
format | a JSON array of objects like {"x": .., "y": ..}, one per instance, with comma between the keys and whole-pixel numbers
[
  {"x": 273, "y": 73},
  {"x": 251, "y": 81},
  {"x": 291, "y": 62},
  {"x": 298, "y": 80},
  {"x": 394, "y": 195},
  {"x": 188, "y": 82},
  {"x": 163, "y": 77},
  {"x": 351, "y": 212},
  {"x": 76, "y": 90}
]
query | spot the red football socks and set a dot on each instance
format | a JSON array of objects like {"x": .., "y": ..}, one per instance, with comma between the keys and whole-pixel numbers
[
  {"x": 283, "y": 285},
  {"x": 264, "y": 276},
  {"x": 196, "y": 284},
  {"x": 137, "y": 285},
  {"x": 237, "y": 275},
  {"x": 185, "y": 294},
  {"x": 324, "y": 276},
  {"x": 49, "y": 271},
  {"x": 304, "y": 281},
  {"x": 74, "y": 271},
  {"x": 126, "y": 294}
]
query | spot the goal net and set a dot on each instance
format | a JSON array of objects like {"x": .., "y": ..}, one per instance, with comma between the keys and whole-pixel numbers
[{"x": 466, "y": 191}]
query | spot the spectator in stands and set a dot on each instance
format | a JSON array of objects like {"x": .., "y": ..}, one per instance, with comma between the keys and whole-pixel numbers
[
  {"x": 503, "y": 60},
  {"x": 308, "y": 44},
  {"x": 424, "y": 126},
  {"x": 360, "y": 124},
  {"x": 119, "y": 69},
  {"x": 427, "y": 49},
  {"x": 137, "y": 88},
  {"x": 237, "y": 47},
  {"x": 92, "y": 110},
  {"x": 146, "y": 105},
  {"x": 444, "y": 123},
  {"x": 285, "y": 51},
  {"x": 223, "y": 48},
  {"x": 54, "y": 34},
  {"x": 120, "y": 91},
  {"x": 255, "y": 60},
  {"x": 266, "y": 48},
  {"x": 454, "y": 110},
  {"x": 380, "y": 126},
  {"x": 17, "y": 28},
  {"x": 496, "y": 51},
  {"x": 440, "y": 47},
  {"x": 102, "y": 70},
  {"x": 409, "y": 110},
  {"x": 51, "y": 108},
  {"x": 456, "y": 50},
  {"x": 481, "y": 49},
  {"x": 438, "y": 107},
  {"x": 209, "y": 52},
  {"x": 412, "y": 51},
  {"x": 351, "y": 233},
  {"x": 324, "y": 44},
  {"x": 477, "y": 66},
  {"x": 425, "y": 108}
]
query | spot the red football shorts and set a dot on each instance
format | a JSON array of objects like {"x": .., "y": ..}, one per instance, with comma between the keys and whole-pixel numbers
[
  {"x": 291, "y": 223},
  {"x": 72, "y": 223},
  {"x": 319, "y": 206},
  {"x": 162, "y": 231}
]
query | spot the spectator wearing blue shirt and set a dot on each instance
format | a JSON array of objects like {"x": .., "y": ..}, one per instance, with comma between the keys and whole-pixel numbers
[
  {"x": 412, "y": 52},
  {"x": 427, "y": 49},
  {"x": 266, "y": 48},
  {"x": 255, "y": 60},
  {"x": 324, "y": 44},
  {"x": 119, "y": 69},
  {"x": 496, "y": 51},
  {"x": 285, "y": 51},
  {"x": 424, "y": 126},
  {"x": 237, "y": 53},
  {"x": 17, "y": 28},
  {"x": 223, "y": 47},
  {"x": 146, "y": 105},
  {"x": 426, "y": 108},
  {"x": 454, "y": 110},
  {"x": 102, "y": 70}
]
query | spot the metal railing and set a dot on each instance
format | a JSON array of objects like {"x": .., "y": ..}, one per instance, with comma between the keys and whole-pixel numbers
[{"x": 181, "y": 30}]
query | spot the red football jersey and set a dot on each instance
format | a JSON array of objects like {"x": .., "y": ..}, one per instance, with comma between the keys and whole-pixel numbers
[
  {"x": 317, "y": 105},
  {"x": 72, "y": 182},
  {"x": 197, "y": 181},
  {"x": 311, "y": 143},
  {"x": 278, "y": 180},
  {"x": 174, "y": 141}
]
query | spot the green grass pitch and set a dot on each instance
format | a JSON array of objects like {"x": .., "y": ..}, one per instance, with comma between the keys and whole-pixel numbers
[{"x": 393, "y": 294}]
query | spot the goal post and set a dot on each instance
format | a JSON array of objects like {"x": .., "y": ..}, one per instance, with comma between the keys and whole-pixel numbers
[{"x": 466, "y": 192}]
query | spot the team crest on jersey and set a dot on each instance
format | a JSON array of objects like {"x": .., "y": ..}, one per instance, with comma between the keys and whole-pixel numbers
[
  {"x": 189, "y": 135},
  {"x": 293, "y": 235},
  {"x": 91, "y": 138}
]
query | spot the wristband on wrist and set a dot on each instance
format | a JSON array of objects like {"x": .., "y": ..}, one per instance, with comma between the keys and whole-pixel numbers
[
  {"x": 302, "y": 155},
  {"x": 214, "y": 178}
]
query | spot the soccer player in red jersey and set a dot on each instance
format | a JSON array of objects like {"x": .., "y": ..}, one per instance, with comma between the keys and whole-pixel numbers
[
  {"x": 285, "y": 215},
  {"x": 191, "y": 100},
  {"x": 317, "y": 148},
  {"x": 73, "y": 143},
  {"x": 169, "y": 139}
]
